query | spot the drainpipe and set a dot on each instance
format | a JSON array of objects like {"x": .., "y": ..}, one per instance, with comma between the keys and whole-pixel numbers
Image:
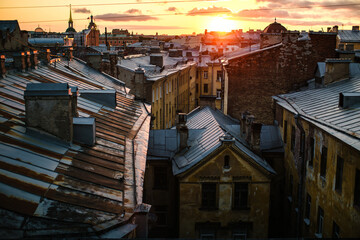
[{"x": 302, "y": 176}]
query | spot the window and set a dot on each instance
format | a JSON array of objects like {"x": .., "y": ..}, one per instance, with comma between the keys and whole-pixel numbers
[
  {"x": 339, "y": 174},
  {"x": 160, "y": 177},
  {"x": 197, "y": 88},
  {"x": 323, "y": 162},
  {"x": 208, "y": 196},
  {"x": 206, "y": 88},
  {"x": 170, "y": 86},
  {"x": 153, "y": 96},
  {"x": 320, "y": 221},
  {"x": 205, "y": 74},
  {"x": 166, "y": 87},
  {"x": 336, "y": 230},
  {"x": 357, "y": 189},
  {"x": 218, "y": 76},
  {"x": 227, "y": 162},
  {"x": 218, "y": 94},
  {"x": 292, "y": 139},
  {"x": 160, "y": 92},
  {"x": 285, "y": 131},
  {"x": 312, "y": 152},
  {"x": 291, "y": 185},
  {"x": 157, "y": 93},
  {"x": 161, "y": 212},
  {"x": 308, "y": 206},
  {"x": 241, "y": 193}
]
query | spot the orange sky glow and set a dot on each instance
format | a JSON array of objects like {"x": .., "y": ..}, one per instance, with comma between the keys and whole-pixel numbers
[{"x": 182, "y": 17}]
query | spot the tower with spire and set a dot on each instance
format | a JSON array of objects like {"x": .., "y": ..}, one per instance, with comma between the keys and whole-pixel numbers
[{"x": 71, "y": 24}]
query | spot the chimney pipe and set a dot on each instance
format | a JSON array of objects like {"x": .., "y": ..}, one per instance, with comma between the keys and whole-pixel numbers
[
  {"x": 182, "y": 130},
  {"x": 2, "y": 66},
  {"x": 336, "y": 69},
  {"x": 34, "y": 59},
  {"x": 19, "y": 61},
  {"x": 255, "y": 136},
  {"x": 71, "y": 54},
  {"x": 28, "y": 60}
]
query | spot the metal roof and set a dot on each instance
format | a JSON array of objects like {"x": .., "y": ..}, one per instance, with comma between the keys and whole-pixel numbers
[
  {"x": 210, "y": 125},
  {"x": 349, "y": 36},
  {"x": 321, "y": 107},
  {"x": 49, "y": 187}
]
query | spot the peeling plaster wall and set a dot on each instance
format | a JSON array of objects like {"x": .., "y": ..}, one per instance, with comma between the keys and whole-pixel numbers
[
  {"x": 213, "y": 171},
  {"x": 338, "y": 207}
]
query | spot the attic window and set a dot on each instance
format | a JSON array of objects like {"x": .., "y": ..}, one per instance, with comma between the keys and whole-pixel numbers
[{"x": 227, "y": 162}]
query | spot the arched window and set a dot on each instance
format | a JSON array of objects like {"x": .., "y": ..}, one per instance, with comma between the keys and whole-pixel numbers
[{"x": 226, "y": 161}]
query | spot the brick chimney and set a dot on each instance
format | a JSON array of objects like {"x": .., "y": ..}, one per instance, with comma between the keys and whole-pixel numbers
[
  {"x": 255, "y": 136},
  {"x": 48, "y": 107},
  {"x": 182, "y": 130},
  {"x": 157, "y": 59},
  {"x": 336, "y": 69},
  {"x": 355, "y": 28},
  {"x": 2, "y": 66},
  {"x": 335, "y": 28},
  {"x": 113, "y": 61},
  {"x": 71, "y": 53},
  {"x": 94, "y": 60},
  {"x": 45, "y": 56},
  {"x": 34, "y": 59},
  {"x": 28, "y": 60},
  {"x": 19, "y": 61}
]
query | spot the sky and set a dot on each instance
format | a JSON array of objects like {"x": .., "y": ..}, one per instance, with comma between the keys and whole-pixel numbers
[{"x": 175, "y": 17}]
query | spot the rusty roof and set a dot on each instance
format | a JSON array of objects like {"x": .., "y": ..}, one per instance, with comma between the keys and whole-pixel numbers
[{"x": 48, "y": 187}]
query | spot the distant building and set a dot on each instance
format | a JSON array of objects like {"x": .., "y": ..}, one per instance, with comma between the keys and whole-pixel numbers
[
  {"x": 119, "y": 37},
  {"x": 11, "y": 37},
  {"x": 348, "y": 40},
  {"x": 254, "y": 76},
  {"x": 167, "y": 82},
  {"x": 88, "y": 37},
  {"x": 321, "y": 134},
  {"x": 70, "y": 28}
]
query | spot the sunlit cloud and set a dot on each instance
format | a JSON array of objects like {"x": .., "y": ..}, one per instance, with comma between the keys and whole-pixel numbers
[
  {"x": 123, "y": 17},
  {"x": 172, "y": 9},
  {"x": 81, "y": 10},
  {"x": 133, "y": 10},
  {"x": 209, "y": 11},
  {"x": 152, "y": 27}
]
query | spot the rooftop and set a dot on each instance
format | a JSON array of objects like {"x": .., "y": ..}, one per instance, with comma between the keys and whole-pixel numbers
[{"x": 49, "y": 187}]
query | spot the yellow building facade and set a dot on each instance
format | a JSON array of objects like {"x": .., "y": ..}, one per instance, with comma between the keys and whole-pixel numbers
[
  {"x": 322, "y": 190},
  {"x": 171, "y": 94},
  {"x": 208, "y": 82},
  {"x": 226, "y": 196}
]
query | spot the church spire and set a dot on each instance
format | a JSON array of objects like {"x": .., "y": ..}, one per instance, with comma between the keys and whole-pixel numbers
[
  {"x": 71, "y": 23},
  {"x": 70, "y": 18}
]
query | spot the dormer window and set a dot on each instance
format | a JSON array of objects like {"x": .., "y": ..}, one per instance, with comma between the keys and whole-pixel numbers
[{"x": 227, "y": 162}]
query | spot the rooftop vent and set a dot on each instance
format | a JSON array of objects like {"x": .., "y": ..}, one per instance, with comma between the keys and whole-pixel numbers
[
  {"x": 104, "y": 97},
  {"x": 350, "y": 99},
  {"x": 84, "y": 130}
]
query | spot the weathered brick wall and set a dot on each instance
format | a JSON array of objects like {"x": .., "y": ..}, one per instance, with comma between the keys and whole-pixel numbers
[{"x": 254, "y": 78}]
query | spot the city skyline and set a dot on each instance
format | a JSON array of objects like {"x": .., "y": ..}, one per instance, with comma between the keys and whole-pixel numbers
[{"x": 164, "y": 17}]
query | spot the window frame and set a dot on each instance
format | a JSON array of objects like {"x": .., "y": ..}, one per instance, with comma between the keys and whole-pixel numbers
[
  {"x": 339, "y": 174},
  {"x": 209, "y": 195},
  {"x": 239, "y": 196},
  {"x": 323, "y": 162}
]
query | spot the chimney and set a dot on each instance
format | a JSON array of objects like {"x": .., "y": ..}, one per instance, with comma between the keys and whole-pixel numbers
[
  {"x": 336, "y": 69},
  {"x": 113, "y": 61},
  {"x": 28, "y": 60},
  {"x": 45, "y": 56},
  {"x": 249, "y": 119},
  {"x": 94, "y": 60},
  {"x": 329, "y": 29},
  {"x": 2, "y": 66},
  {"x": 71, "y": 53},
  {"x": 255, "y": 136},
  {"x": 355, "y": 28},
  {"x": 155, "y": 49},
  {"x": 189, "y": 54},
  {"x": 74, "y": 95},
  {"x": 34, "y": 59},
  {"x": 182, "y": 130},
  {"x": 349, "y": 99},
  {"x": 19, "y": 61},
  {"x": 335, "y": 28},
  {"x": 48, "y": 107},
  {"x": 157, "y": 59}
]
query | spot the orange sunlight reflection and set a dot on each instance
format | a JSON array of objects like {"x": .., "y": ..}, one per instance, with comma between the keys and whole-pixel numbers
[{"x": 222, "y": 25}]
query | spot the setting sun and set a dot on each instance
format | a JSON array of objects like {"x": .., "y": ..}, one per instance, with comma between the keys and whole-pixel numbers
[{"x": 222, "y": 25}]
